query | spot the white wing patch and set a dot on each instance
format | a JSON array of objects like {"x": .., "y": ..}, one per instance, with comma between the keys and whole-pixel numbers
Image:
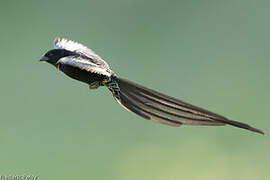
[
  {"x": 79, "y": 48},
  {"x": 84, "y": 65}
]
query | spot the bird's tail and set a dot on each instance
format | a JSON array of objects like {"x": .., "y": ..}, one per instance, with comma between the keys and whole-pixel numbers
[{"x": 161, "y": 108}]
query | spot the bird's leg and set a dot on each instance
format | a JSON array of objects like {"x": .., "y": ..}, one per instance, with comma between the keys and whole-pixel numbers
[{"x": 94, "y": 85}]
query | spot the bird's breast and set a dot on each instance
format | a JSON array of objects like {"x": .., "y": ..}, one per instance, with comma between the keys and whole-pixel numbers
[{"x": 81, "y": 75}]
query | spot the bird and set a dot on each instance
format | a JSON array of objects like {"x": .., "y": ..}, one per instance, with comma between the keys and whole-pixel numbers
[{"x": 81, "y": 63}]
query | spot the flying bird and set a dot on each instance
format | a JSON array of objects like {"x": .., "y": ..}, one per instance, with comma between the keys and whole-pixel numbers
[{"x": 83, "y": 64}]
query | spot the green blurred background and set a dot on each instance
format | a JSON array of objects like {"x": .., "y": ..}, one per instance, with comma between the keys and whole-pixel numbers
[{"x": 214, "y": 54}]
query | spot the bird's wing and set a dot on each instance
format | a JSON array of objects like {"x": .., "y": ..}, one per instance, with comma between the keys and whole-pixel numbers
[
  {"x": 80, "y": 49},
  {"x": 84, "y": 64},
  {"x": 161, "y": 108}
]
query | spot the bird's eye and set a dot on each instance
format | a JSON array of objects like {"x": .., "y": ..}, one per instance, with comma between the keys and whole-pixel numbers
[{"x": 48, "y": 54}]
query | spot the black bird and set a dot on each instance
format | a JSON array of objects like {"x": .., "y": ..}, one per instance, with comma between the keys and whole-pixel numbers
[{"x": 81, "y": 63}]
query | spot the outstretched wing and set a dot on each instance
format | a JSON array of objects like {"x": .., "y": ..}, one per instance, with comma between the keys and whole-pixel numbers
[
  {"x": 84, "y": 64},
  {"x": 84, "y": 58},
  {"x": 80, "y": 49}
]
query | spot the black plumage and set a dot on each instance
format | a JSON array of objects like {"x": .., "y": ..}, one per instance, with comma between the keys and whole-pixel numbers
[{"x": 81, "y": 63}]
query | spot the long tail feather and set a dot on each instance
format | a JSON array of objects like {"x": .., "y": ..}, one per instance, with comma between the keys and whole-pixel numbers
[{"x": 161, "y": 108}]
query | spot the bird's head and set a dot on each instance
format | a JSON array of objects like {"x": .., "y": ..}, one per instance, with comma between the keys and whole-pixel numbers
[{"x": 52, "y": 56}]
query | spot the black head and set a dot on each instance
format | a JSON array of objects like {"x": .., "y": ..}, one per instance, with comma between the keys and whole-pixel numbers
[{"x": 54, "y": 55}]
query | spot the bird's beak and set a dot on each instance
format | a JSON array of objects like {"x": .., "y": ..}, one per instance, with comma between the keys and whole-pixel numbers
[{"x": 44, "y": 58}]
